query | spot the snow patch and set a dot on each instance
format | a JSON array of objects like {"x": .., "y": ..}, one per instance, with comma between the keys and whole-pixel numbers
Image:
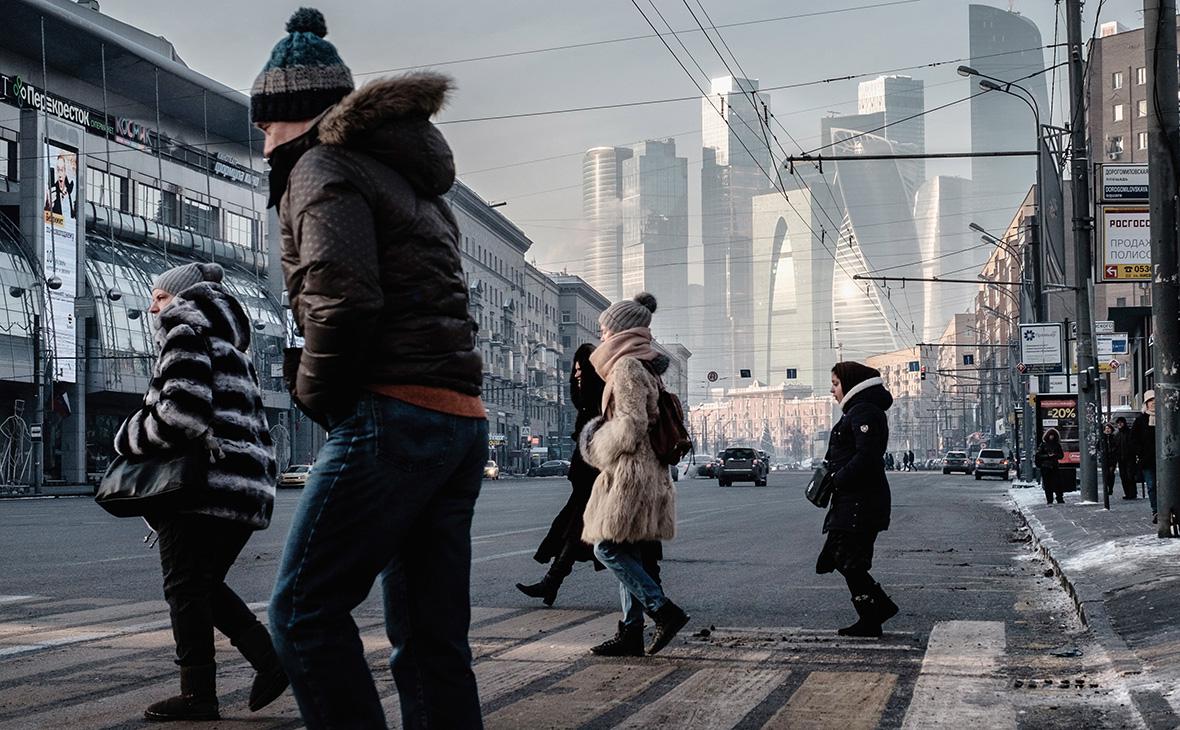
[{"x": 1113, "y": 556}]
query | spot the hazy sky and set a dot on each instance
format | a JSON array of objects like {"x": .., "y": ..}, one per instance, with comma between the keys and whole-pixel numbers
[{"x": 229, "y": 40}]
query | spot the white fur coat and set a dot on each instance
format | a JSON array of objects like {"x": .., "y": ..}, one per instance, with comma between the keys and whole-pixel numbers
[{"x": 633, "y": 498}]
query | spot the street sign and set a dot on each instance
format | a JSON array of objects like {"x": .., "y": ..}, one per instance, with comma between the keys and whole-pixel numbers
[
  {"x": 496, "y": 439},
  {"x": 1109, "y": 367},
  {"x": 1122, "y": 183},
  {"x": 1104, "y": 327},
  {"x": 1061, "y": 384},
  {"x": 35, "y": 433},
  {"x": 1112, "y": 344},
  {"x": 712, "y": 376},
  {"x": 276, "y": 370},
  {"x": 1125, "y": 244},
  {"x": 1041, "y": 349},
  {"x": 526, "y": 431},
  {"x": 1021, "y": 367}
]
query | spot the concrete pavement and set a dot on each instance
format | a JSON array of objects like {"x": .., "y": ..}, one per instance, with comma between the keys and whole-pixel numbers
[
  {"x": 984, "y": 637},
  {"x": 1125, "y": 584}
]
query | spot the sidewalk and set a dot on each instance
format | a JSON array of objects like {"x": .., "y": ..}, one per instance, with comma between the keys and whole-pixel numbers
[
  {"x": 1125, "y": 583},
  {"x": 26, "y": 492}
]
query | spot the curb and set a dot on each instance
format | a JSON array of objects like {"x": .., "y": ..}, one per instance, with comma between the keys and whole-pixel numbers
[{"x": 1088, "y": 598}]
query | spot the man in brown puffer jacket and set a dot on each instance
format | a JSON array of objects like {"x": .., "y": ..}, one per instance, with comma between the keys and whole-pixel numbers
[{"x": 389, "y": 366}]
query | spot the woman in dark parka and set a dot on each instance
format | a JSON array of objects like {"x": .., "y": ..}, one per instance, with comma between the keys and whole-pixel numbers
[
  {"x": 860, "y": 501},
  {"x": 1049, "y": 454},
  {"x": 563, "y": 545}
]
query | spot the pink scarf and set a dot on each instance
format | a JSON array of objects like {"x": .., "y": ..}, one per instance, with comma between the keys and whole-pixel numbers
[{"x": 635, "y": 342}]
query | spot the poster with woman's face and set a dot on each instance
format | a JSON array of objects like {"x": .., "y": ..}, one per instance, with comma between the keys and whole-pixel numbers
[{"x": 60, "y": 196}]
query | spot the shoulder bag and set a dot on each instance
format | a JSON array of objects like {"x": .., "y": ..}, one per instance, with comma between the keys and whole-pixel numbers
[
  {"x": 167, "y": 482},
  {"x": 820, "y": 488}
]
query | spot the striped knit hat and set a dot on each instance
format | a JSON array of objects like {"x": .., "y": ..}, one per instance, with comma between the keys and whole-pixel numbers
[{"x": 304, "y": 75}]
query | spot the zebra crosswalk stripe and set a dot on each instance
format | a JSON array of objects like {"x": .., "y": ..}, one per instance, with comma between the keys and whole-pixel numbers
[
  {"x": 845, "y": 700},
  {"x": 711, "y": 699},
  {"x": 957, "y": 686}
]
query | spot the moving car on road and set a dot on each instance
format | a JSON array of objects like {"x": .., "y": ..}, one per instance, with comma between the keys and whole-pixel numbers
[
  {"x": 957, "y": 461},
  {"x": 555, "y": 468},
  {"x": 992, "y": 463},
  {"x": 491, "y": 470},
  {"x": 295, "y": 476},
  {"x": 741, "y": 465}
]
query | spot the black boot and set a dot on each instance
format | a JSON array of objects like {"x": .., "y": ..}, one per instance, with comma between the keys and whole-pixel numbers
[
  {"x": 270, "y": 681},
  {"x": 883, "y": 604},
  {"x": 627, "y": 642},
  {"x": 197, "y": 699},
  {"x": 546, "y": 589},
  {"x": 867, "y": 624},
  {"x": 669, "y": 620}
]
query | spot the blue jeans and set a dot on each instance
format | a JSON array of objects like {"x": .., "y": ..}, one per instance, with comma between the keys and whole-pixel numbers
[
  {"x": 638, "y": 590},
  {"x": 392, "y": 493},
  {"x": 1149, "y": 480}
]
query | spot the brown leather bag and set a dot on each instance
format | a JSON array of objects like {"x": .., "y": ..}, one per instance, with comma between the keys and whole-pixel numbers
[{"x": 669, "y": 437}]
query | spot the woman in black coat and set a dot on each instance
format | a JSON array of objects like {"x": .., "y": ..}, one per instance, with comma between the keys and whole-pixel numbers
[
  {"x": 1049, "y": 453},
  {"x": 563, "y": 545},
  {"x": 860, "y": 501},
  {"x": 1109, "y": 445}
]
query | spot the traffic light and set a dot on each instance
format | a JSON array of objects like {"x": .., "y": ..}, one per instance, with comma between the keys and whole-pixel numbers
[{"x": 923, "y": 372}]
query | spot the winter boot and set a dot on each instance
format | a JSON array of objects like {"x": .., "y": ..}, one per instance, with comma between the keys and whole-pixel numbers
[
  {"x": 883, "y": 605},
  {"x": 270, "y": 681},
  {"x": 867, "y": 624},
  {"x": 627, "y": 642},
  {"x": 546, "y": 589},
  {"x": 197, "y": 699},
  {"x": 669, "y": 620}
]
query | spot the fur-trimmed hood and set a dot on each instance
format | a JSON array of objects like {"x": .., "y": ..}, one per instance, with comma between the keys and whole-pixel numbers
[
  {"x": 211, "y": 311},
  {"x": 390, "y": 119}
]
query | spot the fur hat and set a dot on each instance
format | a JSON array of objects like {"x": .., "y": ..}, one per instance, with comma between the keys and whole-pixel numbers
[
  {"x": 628, "y": 314},
  {"x": 304, "y": 75}
]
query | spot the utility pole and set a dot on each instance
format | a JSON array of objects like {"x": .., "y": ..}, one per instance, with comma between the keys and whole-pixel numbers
[
  {"x": 1163, "y": 145},
  {"x": 1088, "y": 406}
]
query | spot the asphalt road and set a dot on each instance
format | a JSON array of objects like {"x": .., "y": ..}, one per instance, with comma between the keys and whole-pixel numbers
[{"x": 971, "y": 595}]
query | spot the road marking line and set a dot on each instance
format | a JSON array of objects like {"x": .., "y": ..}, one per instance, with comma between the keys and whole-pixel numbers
[
  {"x": 16, "y": 599},
  {"x": 117, "y": 612},
  {"x": 488, "y": 558},
  {"x": 529, "y": 625},
  {"x": 709, "y": 699},
  {"x": 568, "y": 644},
  {"x": 580, "y": 698},
  {"x": 847, "y": 700},
  {"x": 476, "y": 538},
  {"x": 957, "y": 686}
]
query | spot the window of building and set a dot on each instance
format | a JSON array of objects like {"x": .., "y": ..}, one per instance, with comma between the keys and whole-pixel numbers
[
  {"x": 1116, "y": 80},
  {"x": 7, "y": 159},
  {"x": 105, "y": 189},
  {"x": 1120, "y": 302},
  {"x": 199, "y": 217},
  {"x": 1141, "y": 75},
  {"x": 566, "y": 318},
  {"x": 1141, "y": 108},
  {"x": 241, "y": 230},
  {"x": 148, "y": 202},
  {"x": 1116, "y": 145},
  {"x": 1142, "y": 141},
  {"x": 1118, "y": 112}
]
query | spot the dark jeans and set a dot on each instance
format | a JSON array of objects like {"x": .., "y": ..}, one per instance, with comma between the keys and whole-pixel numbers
[
  {"x": 1108, "y": 478},
  {"x": 1149, "y": 480},
  {"x": 392, "y": 495},
  {"x": 1127, "y": 477},
  {"x": 196, "y": 551}
]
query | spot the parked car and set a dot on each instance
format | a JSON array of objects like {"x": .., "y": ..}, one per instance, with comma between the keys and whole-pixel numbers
[
  {"x": 295, "y": 476},
  {"x": 741, "y": 465},
  {"x": 707, "y": 469},
  {"x": 992, "y": 463},
  {"x": 491, "y": 470},
  {"x": 957, "y": 461},
  {"x": 555, "y": 468}
]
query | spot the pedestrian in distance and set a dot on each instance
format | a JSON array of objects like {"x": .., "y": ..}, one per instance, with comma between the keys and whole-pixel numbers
[
  {"x": 563, "y": 544},
  {"x": 633, "y": 500},
  {"x": 390, "y": 368},
  {"x": 204, "y": 395},
  {"x": 1048, "y": 458},
  {"x": 1109, "y": 448},
  {"x": 1142, "y": 443},
  {"x": 860, "y": 505},
  {"x": 1126, "y": 458},
  {"x": 889, "y": 462}
]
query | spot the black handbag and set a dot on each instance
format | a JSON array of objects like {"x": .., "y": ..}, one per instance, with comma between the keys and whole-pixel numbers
[
  {"x": 168, "y": 482},
  {"x": 820, "y": 488}
]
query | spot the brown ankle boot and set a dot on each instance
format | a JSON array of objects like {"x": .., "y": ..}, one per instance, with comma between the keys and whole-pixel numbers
[{"x": 197, "y": 699}]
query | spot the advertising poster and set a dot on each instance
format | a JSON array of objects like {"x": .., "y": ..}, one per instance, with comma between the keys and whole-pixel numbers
[
  {"x": 1126, "y": 244},
  {"x": 61, "y": 257},
  {"x": 1060, "y": 412}
]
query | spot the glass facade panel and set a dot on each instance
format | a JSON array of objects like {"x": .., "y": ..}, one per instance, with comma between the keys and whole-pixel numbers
[
  {"x": 106, "y": 189},
  {"x": 199, "y": 217}
]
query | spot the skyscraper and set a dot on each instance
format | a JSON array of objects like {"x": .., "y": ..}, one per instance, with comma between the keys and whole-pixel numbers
[
  {"x": 946, "y": 244},
  {"x": 1007, "y": 46},
  {"x": 901, "y": 100},
  {"x": 736, "y": 166},
  {"x": 602, "y": 211},
  {"x": 654, "y": 197}
]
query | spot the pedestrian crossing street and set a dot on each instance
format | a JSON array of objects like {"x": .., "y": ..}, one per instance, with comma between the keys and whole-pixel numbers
[{"x": 98, "y": 663}]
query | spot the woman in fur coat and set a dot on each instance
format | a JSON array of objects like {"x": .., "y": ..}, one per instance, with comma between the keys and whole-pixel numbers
[
  {"x": 204, "y": 397},
  {"x": 861, "y": 500},
  {"x": 633, "y": 500}
]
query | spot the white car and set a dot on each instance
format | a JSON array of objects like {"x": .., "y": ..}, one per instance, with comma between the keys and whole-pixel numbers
[{"x": 295, "y": 476}]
